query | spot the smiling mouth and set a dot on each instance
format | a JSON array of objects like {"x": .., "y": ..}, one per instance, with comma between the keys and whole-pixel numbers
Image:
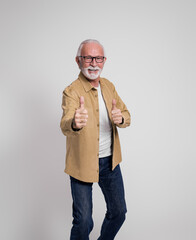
[{"x": 93, "y": 70}]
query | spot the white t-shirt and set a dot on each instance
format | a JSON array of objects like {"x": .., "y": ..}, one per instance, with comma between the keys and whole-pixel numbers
[{"x": 105, "y": 128}]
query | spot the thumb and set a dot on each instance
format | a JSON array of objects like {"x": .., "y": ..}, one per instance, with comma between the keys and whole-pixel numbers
[
  {"x": 81, "y": 102},
  {"x": 113, "y": 104}
]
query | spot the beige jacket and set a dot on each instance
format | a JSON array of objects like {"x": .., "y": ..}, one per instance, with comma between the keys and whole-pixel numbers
[{"x": 82, "y": 147}]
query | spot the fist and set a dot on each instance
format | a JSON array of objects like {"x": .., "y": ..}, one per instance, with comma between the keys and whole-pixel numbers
[
  {"x": 116, "y": 113},
  {"x": 80, "y": 116}
]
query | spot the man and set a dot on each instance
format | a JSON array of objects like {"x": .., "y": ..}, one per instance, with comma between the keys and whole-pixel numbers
[{"x": 92, "y": 111}]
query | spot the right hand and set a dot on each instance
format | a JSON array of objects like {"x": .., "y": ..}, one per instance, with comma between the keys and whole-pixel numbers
[{"x": 81, "y": 116}]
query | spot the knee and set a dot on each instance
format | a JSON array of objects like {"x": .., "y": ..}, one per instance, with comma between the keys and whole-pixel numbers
[
  {"x": 87, "y": 222},
  {"x": 84, "y": 222},
  {"x": 117, "y": 214},
  {"x": 82, "y": 226},
  {"x": 122, "y": 216}
]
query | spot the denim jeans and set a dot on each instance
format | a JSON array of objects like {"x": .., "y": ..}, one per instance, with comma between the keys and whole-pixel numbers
[{"x": 111, "y": 184}]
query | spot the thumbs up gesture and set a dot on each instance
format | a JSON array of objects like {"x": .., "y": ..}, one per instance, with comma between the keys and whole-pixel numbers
[
  {"x": 81, "y": 116},
  {"x": 116, "y": 113}
]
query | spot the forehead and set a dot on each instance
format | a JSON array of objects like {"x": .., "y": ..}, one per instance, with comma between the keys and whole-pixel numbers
[{"x": 92, "y": 49}]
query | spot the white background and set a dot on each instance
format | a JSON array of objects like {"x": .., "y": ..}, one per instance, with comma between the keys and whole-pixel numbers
[{"x": 151, "y": 50}]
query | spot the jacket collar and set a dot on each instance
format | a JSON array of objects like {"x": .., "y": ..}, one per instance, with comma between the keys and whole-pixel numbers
[{"x": 86, "y": 84}]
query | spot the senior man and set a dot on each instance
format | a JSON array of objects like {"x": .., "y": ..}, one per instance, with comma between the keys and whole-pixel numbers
[{"x": 92, "y": 111}]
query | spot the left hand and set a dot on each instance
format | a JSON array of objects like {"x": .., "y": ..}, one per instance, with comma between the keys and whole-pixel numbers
[{"x": 116, "y": 113}]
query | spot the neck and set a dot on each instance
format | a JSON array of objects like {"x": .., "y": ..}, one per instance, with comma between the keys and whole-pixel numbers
[{"x": 94, "y": 83}]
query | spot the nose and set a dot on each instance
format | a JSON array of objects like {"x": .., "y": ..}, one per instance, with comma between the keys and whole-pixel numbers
[{"x": 93, "y": 63}]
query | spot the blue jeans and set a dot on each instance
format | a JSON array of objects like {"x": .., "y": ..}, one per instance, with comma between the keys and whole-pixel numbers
[{"x": 111, "y": 184}]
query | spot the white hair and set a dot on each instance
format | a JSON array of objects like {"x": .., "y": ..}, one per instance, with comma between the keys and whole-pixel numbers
[{"x": 88, "y": 41}]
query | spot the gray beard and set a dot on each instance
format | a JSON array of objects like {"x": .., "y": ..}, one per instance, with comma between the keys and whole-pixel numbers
[{"x": 90, "y": 76}]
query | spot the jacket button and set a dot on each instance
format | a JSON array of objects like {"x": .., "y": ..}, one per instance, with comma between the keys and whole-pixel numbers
[
  {"x": 97, "y": 110},
  {"x": 98, "y": 125}
]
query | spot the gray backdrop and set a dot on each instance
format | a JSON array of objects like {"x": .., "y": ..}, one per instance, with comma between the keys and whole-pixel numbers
[{"x": 151, "y": 50}]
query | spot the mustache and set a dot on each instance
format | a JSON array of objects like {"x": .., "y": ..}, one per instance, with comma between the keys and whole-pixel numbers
[{"x": 93, "y": 68}]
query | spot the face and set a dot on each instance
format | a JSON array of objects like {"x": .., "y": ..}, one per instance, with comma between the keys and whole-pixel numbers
[{"x": 91, "y": 70}]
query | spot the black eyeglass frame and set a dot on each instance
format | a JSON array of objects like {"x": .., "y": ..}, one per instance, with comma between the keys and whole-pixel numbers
[{"x": 93, "y": 58}]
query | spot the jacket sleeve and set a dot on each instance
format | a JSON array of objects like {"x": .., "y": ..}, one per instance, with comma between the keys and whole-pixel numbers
[
  {"x": 70, "y": 103},
  {"x": 126, "y": 115}
]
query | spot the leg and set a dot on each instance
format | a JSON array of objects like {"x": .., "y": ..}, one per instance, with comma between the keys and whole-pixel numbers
[
  {"x": 111, "y": 184},
  {"x": 82, "y": 209}
]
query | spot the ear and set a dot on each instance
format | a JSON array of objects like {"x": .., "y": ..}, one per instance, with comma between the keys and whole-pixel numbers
[
  {"x": 105, "y": 59},
  {"x": 78, "y": 61}
]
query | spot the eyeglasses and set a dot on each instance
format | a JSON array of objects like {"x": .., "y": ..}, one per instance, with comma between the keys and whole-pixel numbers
[{"x": 89, "y": 59}]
